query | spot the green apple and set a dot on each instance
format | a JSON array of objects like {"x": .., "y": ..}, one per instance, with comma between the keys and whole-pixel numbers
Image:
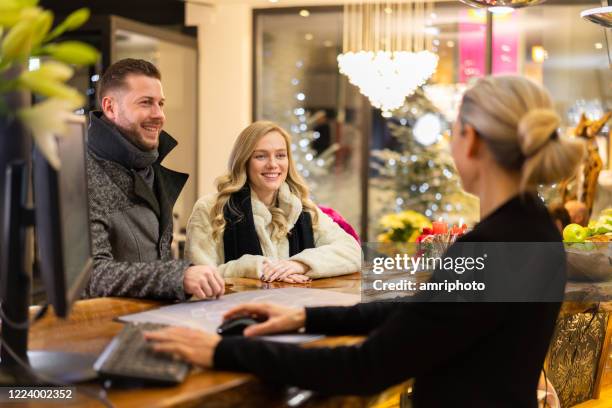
[{"x": 575, "y": 233}]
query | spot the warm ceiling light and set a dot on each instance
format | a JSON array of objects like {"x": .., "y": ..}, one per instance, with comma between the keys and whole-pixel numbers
[
  {"x": 308, "y": 37},
  {"x": 273, "y": 1},
  {"x": 538, "y": 54},
  {"x": 388, "y": 55},
  {"x": 328, "y": 43},
  {"x": 598, "y": 46},
  {"x": 304, "y": 13}
]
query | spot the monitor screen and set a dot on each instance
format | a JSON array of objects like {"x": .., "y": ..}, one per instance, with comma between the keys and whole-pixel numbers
[{"x": 62, "y": 219}]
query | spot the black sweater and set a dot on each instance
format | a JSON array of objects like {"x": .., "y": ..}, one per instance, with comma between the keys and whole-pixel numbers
[{"x": 461, "y": 354}]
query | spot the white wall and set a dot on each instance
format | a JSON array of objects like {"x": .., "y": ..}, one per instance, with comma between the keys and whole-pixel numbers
[
  {"x": 177, "y": 63},
  {"x": 224, "y": 81}
]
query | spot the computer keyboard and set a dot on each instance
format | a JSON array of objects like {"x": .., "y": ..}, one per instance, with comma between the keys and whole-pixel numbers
[{"x": 129, "y": 359}]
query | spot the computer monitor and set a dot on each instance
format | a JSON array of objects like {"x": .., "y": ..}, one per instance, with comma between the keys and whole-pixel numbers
[{"x": 62, "y": 219}]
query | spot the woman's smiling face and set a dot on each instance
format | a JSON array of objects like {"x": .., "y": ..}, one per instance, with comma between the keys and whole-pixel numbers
[{"x": 268, "y": 165}]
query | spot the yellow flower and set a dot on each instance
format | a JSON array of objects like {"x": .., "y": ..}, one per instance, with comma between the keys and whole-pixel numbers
[
  {"x": 55, "y": 70},
  {"x": 414, "y": 235},
  {"x": 17, "y": 43},
  {"x": 42, "y": 24},
  {"x": 383, "y": 238},
  {"x": 405, "y": 226},
  {"x": 14, "y": 11},
  {"x": 41, "y": 83},
  {"x": 76, "y": 19},
  {"x": 391, "y": 221},
  {"x": 414, "y": 219},
  {"x": 73, "y": 52},
  {"x": 46, "y": 120},
  {"x": 72, "y": 22},
  {"x": 9, "y": 17}
]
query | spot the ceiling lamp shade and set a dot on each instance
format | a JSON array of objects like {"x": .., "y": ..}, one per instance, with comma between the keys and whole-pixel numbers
[
  {"x": 599, "y": 15},
  {"x": 387, "y": 49},
  {"x": 515, "y": 4}
]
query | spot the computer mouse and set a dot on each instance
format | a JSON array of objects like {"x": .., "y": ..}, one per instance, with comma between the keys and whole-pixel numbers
[{"x": 236, "y": 325}]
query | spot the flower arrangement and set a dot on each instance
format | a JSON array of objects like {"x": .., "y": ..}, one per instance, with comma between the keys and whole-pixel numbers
[
  {"x": 402, "y": 227},
  {"x": 26, "y": 31},
  {"x": 434, "y": 241}
]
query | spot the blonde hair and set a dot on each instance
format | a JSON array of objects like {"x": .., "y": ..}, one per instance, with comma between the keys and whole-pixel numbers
[
  {"x": 515, "y": 118},
  {"x": 236, "y": 178}
]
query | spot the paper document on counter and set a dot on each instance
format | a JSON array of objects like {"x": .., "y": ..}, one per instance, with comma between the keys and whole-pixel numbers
[{"x": 208, "y": 314}]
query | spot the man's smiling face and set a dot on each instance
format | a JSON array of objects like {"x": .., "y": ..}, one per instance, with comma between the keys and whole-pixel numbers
[{"x": 138, "y": 110}]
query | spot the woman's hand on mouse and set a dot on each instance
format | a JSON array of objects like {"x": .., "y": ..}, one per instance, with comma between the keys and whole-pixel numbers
[
  {"x": 194, "y": 346},
  {"x": 280, "y": 319},
  {"x": 280, "y": 270}
]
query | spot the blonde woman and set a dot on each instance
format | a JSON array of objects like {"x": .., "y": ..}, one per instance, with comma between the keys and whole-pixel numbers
[
  {"x": 461, "y": 355},
  {"x": 261, "y": 223}
]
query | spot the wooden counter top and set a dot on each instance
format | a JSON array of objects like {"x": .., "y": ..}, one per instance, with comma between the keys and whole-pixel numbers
[{"x": 91, "y": 327}]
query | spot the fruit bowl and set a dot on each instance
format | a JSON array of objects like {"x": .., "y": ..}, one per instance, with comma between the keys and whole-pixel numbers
[{"x": 589, "y": 261}]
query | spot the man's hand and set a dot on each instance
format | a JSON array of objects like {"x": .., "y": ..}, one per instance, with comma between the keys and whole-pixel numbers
[
  {"x": 203, "y": 282},
  {"x": 279, "y": 270},
  {"x": 280, "y": 319},
  {"x": 195, "y": 346}
]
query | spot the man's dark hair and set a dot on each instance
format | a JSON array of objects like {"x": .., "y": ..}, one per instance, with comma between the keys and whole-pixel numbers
[{"x": 114, "y": 77}]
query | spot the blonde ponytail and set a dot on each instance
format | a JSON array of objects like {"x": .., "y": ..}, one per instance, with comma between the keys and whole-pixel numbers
[
  {"x": 548, "y": 156},
  {"x": 514, "y": 116}
]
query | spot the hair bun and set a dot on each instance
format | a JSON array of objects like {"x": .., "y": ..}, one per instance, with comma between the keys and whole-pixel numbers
[{"x": 536, "y": 128}]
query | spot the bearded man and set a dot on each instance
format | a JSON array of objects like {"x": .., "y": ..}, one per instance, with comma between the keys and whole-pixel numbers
[{"x": 131, "y": 195}]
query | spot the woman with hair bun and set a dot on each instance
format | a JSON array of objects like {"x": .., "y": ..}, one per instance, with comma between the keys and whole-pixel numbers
[
  {"x": 261, "y": 222},
  {"x": 475, "y": 355},
  {"x": 506, "y": 141}
]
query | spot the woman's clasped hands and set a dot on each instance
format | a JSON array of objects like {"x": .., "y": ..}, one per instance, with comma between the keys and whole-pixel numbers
[{"x": 284, "y": 271}]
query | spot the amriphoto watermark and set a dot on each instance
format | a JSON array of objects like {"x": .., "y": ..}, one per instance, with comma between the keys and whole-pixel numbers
[
  {"x": 486, "y": 272},
  {"x": 446, "y": 286}
]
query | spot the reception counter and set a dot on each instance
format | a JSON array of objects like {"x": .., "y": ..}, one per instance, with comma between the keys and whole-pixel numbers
[
  {"x": 92, "y": 325},
  {"x": 575, "y": 365}
]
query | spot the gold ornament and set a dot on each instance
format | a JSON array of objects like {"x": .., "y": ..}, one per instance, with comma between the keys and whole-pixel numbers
[{"x": 591, "y": 166}]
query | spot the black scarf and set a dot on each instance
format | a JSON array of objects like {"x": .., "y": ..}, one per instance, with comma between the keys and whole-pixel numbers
[
  {"x": 107, "y": 142},
  {"x": 240, "y": 236}
]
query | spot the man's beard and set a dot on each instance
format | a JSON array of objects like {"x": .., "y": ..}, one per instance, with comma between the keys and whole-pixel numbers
[{"x": 135, "y": 138}]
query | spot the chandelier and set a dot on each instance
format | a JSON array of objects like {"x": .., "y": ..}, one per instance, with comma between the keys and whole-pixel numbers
[{"x": 386, "y": 50}]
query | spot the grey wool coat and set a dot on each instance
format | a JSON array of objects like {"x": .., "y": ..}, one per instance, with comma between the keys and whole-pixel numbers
[{"x": 131, "y": 226}]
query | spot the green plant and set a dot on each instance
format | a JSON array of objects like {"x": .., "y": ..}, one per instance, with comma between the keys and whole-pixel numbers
[{"x": 26, "y": 30}]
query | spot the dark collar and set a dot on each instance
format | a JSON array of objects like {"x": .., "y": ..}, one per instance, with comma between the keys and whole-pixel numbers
[
  {"x": 99, "y": 128},
  {"x": 240, "y": 236}
]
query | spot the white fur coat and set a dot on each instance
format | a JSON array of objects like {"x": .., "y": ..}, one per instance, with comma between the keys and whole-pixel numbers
[{"x": 335, "y": 253}]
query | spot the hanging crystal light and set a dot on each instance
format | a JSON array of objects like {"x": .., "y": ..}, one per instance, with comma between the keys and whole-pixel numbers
[{"x": 386, "y": 49}]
